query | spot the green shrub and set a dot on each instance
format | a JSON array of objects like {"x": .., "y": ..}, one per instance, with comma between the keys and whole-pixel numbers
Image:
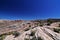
[
  {"x": 38, "y": 38},
  {"x": 15, "y": 33},
  {"x": 34, "y": 38},
  {"x": 49, "y": 22},
  {"x": 2, "y": 37},
  {"x": 56, "y": 30},
  {"x": 41, "y": 25},
  {"x": 26, "y": 39},
  {"x": 59, "y": 25},
  {"x": 29, "y": 25},
  {"x": 32, "y": 33}
]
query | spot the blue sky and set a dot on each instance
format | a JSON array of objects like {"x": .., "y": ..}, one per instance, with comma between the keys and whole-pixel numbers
[{"x": 29, "y": 9}]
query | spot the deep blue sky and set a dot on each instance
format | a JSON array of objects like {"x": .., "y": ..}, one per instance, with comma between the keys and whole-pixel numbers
[{"x": 29, "y": 9}]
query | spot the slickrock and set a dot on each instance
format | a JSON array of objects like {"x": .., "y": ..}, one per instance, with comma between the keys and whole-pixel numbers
[
  {"x": 31, "y": 30},
  {"x": 44, "y": 33}
]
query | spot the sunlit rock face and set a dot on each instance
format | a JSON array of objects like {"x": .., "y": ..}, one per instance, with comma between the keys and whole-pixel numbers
[
  {"x": 55, "y": 24},
  {"x": 43, "y": 33}
]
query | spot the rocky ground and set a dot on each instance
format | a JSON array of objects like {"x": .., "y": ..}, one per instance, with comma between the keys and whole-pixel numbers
[
  {"x": 29, "y": 30},
  {"x": 42, "y": 32}
]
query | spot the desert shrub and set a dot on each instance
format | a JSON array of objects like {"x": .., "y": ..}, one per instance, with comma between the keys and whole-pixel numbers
[
  {"x": 41, "y": 25},
  {"x": 26, "y": 39},
  {"x": 32, "y": 33},
  {"x": 59, "y": 25},
  {"x": 34, "y": 38},
  {"x": 49, "y": 22},
  {"x": 15, "y": 33},
  {"x": 2, "y": 37},
  {"x": 56, "y": 30},
  {"x": 38, "y": 38},
  {"x": 29, "y": 25}
]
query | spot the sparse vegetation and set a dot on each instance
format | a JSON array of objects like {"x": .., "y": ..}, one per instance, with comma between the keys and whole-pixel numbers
[
  {"x": 34, "y": 38},
  {"x": 2, "y": 36},
  {"x": 59, "y": 25},
  {"x": 29, "y": 25},
  {"x": 38, "y": 38},
  {"x": 56, "y": 30},
  {"x": 26, "y": 39},
  {"x": 41, "y": 25},
  {"x": 15, "y": 33},
  {"x": 49, "y": 22},
  {"x": 32, "y": 33}
]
